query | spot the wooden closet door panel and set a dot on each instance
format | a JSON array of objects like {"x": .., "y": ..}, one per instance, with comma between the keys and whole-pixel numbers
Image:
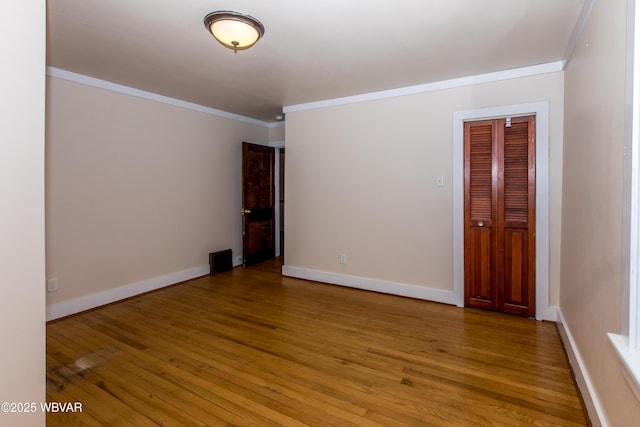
[
  {"x": 515, "y": 296},
  {"x": 480, "y": 196},
  {"x": 480, "y": 276},
  {"x": 517, "y": 191}
]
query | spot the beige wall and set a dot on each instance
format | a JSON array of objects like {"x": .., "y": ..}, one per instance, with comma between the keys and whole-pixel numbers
[
  {"x": 592, "y": 251},
  {"x": 361, "y": 180},
  {"x": 276, "y": 134},
  {"x": 22, "y": 325},
  {"x": 136, "y": 189}
]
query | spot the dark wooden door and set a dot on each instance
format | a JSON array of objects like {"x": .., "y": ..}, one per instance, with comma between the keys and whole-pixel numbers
[
  {"x": 499, "y": 215},
  {"x": 258, "y": 198}
]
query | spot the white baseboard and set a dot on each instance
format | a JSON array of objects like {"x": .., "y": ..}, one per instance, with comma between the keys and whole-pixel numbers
[
  {"x": 383, "y": 286},
  {"x": 589, "y": 396},
  {"x": 67, "y": 308}
]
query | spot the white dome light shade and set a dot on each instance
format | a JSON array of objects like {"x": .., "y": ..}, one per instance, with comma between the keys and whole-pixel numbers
[{"x": 234, "y": 30}]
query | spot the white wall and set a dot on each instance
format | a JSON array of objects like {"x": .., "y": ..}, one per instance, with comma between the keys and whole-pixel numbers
[
  {"x": 361, "y": 180},
  {"x": 592, "y": 212},
  {"x": 22, "y": 259},
  {"x": 138, "y": 192}
]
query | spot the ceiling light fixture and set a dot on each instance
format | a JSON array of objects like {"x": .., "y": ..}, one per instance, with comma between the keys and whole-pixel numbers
[{"x": 234, "y": 30}]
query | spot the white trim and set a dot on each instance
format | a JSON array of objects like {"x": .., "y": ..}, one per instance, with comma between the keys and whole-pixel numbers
[
  {"x": 394, "y": 288},
  {"x": 589, "y": 396},
  {"x": 632, "y": 137},
  {"x": 272, "y": 144},
  {"x": 276, "y": 202},
  {"x": 630, "y": 358},
  {"x": 534, "y": 70},
  {"x": 276, "y": 144},
  {"x": 541, "y": 109},
  {"x": 87, "y": 302},
  {"x": 627, "y": 343},
  {"x": 578, "y": 29},
  {"x": 126, "y": 90}
]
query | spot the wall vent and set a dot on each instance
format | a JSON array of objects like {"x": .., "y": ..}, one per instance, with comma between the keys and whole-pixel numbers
[{"x": 220, "y": 261}]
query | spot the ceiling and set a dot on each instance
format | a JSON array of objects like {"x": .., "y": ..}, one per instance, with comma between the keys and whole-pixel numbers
[{"x": 311, "y": 50}]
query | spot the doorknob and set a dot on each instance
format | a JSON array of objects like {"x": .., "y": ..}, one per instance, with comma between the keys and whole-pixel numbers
[
  {"x": 480, "y": 223},
  {"x": 245, "y": 211}
]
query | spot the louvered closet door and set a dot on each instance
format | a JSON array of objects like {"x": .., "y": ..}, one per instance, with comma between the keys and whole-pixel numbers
[
  {"x": 480, "y": 213},
  {"x": 517, "y": 218},
  {"x": 499, "y": 215}
]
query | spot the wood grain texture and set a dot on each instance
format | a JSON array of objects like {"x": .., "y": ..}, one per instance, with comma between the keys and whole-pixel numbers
[
  {"x": 251, "y": 348},
  {"x": 480, "y": 213},
  {"x": 500, "y": 210}
]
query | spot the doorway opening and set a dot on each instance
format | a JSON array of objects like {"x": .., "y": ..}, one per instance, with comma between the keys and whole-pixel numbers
[{"x": 262, "y": 186}]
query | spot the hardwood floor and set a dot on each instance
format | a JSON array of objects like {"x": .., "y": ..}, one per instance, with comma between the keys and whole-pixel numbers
[{"x": 249, "y": 347}]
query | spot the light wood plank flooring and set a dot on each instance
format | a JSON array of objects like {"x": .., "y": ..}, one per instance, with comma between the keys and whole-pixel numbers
[{"x": 249, "y": 347}]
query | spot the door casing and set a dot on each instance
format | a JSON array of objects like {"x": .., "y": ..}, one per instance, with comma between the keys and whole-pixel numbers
[{"x": 541, "y": 109}]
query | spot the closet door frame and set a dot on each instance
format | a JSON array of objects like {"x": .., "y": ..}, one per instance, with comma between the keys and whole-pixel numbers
[{"x": 544, "y": 311}]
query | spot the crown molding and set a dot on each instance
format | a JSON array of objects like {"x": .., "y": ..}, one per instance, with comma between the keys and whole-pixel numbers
[
  {"x": 127, "y": 90},
  {"x": 534, "y": 70},
  {"x": 550, "y": 67}
]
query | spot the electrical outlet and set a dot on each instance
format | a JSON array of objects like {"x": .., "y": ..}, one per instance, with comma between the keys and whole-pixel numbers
[
  {"x": 343, "y": 258},
  {"x": 52, "y": 284}
]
